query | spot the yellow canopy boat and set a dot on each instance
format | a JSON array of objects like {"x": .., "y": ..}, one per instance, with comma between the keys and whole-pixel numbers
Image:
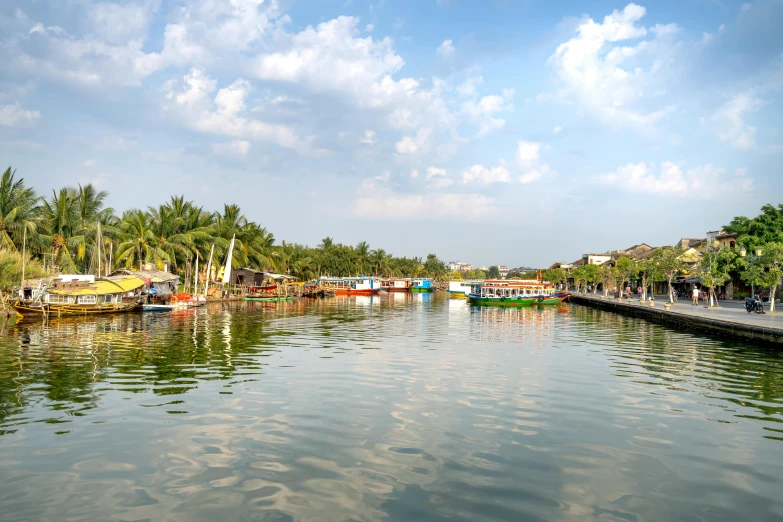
[{"x": 84, "y": 296}]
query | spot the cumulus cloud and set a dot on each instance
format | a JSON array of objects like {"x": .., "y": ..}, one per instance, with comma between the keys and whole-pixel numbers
[
  {"x": 484, "y": 175},
  {"x": 434, "y": 171},
  {"x": 415, "y": 144},
  {"x": 224, "y": 115},
  {"x": 612, "y": 80},
  {"x": 446, "y": 49},
  {"x": 15, "y": 116},
  {"x": 483, "y": 110},
  {"x": 729, "y": 121},
  {"x": 704, "y": 182},
  {"x": 529, "y": 160}
]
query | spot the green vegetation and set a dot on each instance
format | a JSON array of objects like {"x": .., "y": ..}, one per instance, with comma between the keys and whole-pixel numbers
[
  {"x": 760, "y": 239},
  {"x": 62, "y": 231}
]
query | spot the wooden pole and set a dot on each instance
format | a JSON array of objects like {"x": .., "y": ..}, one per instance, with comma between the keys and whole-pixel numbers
[{"x": 24, "y": 258}]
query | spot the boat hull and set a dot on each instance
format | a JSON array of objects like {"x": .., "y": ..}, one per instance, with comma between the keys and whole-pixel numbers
[
  {"x": 350, "y": 291},
  {"x": 157, "y": 308},
  {"x": 395, "y": 289},
  {"x": 515, "y": 302},
  {"x": 25, "y": 310},
  {"x": 269, "y": 299},
  {"x": 457, "y": 295},
  {"x": 421, "y": 290}
]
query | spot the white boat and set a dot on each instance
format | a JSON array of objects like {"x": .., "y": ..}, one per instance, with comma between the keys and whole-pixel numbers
[
  {"x": 157, "y": 307},
  {"x": 461, "y": 288}
]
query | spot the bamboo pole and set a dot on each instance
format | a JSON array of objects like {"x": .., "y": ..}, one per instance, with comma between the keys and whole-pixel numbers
[{"x": 24, "y": 258}]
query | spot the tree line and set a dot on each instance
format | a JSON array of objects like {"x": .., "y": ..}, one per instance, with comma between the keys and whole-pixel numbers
[
  {"x": 756, "y": 258},
  {"x": 72, "y": 230}
]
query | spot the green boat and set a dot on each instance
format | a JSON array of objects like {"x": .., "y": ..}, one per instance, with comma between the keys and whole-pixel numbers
[{"x": 514, "y": 293}]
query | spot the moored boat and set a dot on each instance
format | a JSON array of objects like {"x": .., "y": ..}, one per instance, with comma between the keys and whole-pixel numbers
[
  {"x": 396, "y": 285},
  {"x": 514, "y": 293},
  {"x": 155, "y": 307},
  {"x": 83, "y": 295},
  {"x": 460, "y": 289},
  {"x": 422, "y": 285},
  {"x": 352, "y": 285}
]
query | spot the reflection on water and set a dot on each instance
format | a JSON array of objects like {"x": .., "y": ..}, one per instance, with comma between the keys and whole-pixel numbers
[{"x": 390, "y": 407}]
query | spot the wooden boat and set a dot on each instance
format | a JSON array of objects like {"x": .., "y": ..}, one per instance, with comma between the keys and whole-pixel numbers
[
  {"x": 154, "y": 307},
  {"x": 352, "y": 285},
  {"x": 514, "y": 293},
  {"x": 83, "y": 295},
  {"x": 270, "y": 299},
  {"x": 396, "y": 285},
  {"x": 422, "y": 285}
]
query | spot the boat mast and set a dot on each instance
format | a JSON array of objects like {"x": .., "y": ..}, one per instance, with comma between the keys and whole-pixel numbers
[
  {"x": 209, "y": 269},
  {"x": 98, "y": 240},
  {"x": 24, "y": 258},
  {"x": 111, "y": 251},
  {"x": 195, "y": 287}
]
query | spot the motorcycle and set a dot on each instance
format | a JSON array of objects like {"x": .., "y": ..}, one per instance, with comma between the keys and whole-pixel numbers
[{"x": 753, "y": 304}]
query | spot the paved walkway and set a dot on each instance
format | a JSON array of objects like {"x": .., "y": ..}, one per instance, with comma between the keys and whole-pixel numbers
[{"x": 729, "y": 311}]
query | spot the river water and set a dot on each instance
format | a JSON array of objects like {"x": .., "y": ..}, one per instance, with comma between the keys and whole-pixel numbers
[{"x": 391, "y": 408}]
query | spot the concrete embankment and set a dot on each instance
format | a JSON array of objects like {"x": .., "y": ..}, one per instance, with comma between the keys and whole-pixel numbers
[{"x": 731, "y": 323}]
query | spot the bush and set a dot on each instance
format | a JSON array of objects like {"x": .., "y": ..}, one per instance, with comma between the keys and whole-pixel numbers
[
  {"x": 11, "y": 270},
  {"x": 741, "y": 295}
]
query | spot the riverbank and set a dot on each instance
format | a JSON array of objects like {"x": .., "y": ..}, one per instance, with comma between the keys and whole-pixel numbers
[{"x": 729, "y": 321}]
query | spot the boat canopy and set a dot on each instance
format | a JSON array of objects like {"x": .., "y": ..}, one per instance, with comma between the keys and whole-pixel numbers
[{"x": 110, "y": 285}]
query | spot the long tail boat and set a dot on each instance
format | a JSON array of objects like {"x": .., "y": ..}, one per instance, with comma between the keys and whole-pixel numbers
[
  {"x": 514, "y": 293},
  {"x": 83, "y": 295},
  {"x": 352, "y": 285}
]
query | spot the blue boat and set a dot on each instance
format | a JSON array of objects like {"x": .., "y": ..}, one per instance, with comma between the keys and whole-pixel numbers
[{"x": 422, "y": 285}]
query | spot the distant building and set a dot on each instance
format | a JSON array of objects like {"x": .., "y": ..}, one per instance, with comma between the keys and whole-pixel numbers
[
  {"x": 595, "y": 259},
  {"x": 458, "y": 266}
]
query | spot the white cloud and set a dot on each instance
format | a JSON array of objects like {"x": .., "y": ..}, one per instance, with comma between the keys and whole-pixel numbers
[
  {"x": 369, "y": 28},
  {"x": 368, "y": 138},
  {"x": 396, "y": 206},
  {"x": 414, "y": 145},
  {"x": 704, "y": 182},
  {"x": 90, "y": 163},
  {"x": 414, "y": 174},
  {"x": 483, "y": 110},
  {"x": 223, "y": 115},
  {"x": 612, "y": 80},
  {"x": 468, "y": 88},
  {"x": 557, "y": 130},
  {"x": 446, "y": 49},
  {"x": 434, "y": 171},
  {"x": 484, "y": 175},
  {"x": 528, "y": 153},
  {"x": 15, "y": 116},
  {"x": 232, "y": 148},
  {"x": 116, "y": 22},
  {"x": 729, "y": 123},
  {"x": 534, "y": 174},
  {"x": 441, "y": 183},
  {"x": 529, "y": 160}
]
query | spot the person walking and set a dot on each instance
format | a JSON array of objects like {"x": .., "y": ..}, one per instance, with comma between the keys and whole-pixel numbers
[{"x": 695, "y": 297}]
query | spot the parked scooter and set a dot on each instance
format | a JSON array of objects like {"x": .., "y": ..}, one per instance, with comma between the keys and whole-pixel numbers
[{"x": 753, "y": 304}]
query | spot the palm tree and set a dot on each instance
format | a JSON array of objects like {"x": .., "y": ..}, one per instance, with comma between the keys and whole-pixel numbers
[
  {"x": 326, "y": 243},
  {"x": 140, "y": 243},
  {"x": 60, "y": 220},
  {"x": 17, "y": 209},
  {"x": 379, "y": 261},
  {"x": 362, "y": 255}
]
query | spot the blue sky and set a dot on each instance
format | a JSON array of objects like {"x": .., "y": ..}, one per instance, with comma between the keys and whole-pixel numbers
[{"x": 492, "y": 132}]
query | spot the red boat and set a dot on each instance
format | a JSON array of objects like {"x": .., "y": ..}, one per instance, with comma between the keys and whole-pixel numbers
[{"x": 352, "y": 285}]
